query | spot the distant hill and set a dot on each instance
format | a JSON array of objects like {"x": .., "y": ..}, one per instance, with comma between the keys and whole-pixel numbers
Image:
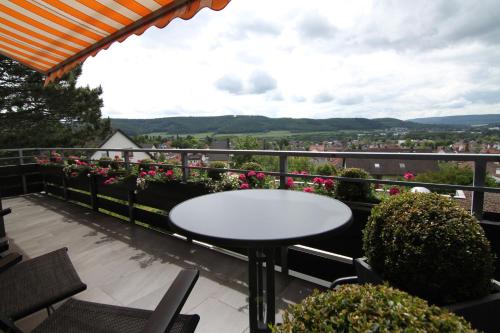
[
  {"x": 471, "y": 120},
  {"x": 253, "y": 124}
]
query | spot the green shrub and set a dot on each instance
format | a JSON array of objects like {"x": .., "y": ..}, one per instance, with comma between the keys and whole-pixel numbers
[
  {"x": 117, "y": 163},
  {"x": 367, "y": 308},
  {"x": 426, "y": 244},
  {"x": 214, "y": 174},
  {"x": 145, "y": 163},
  {"x": 104, "y": 162},
  {"x": 351, "y": 191},
  {"x": 251, "y": 166},
  {"x": 326, "y": 169}
]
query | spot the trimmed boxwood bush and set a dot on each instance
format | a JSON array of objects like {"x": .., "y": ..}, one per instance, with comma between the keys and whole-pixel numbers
[
  {"x": 326, "y": 169},
  {"x": 251, "y": 166},
  {"x": 214, "y": 174},
  {"x": 426, "y": 244},
  {"x": 368, "y": 308},
  {"x": 351, "y": 191}
]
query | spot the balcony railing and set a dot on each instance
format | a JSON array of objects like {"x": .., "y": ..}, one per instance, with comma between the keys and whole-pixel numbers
[
  {"x": 26, "y": 155},
  {"x": 19, "y": 170}
]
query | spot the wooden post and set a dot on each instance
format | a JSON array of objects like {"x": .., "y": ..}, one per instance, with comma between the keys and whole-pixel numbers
[
  {"x": 131, "y": 208},
  {"x": 185, "y": 167},
  {"x": 94, "y": 200}
]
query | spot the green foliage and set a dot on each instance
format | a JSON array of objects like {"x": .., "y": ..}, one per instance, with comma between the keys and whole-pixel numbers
[
  {"x": 244, "y": 143},
  {"x": 251, "y": 166},
  {"x": 187, "y": 142},
  {"x": 104, "y": 161},
  {"x": 367, "y": 308},
  {"x": 59, "y": 114},
  {"x": 326, "y": 169},
  {"x": 145, "y": 163},
  {"x": 452, "y": 173},
  {"x": 268, "y": 163},
  {"x": 299, "y": 163},
  {"x": 214, "y": 174},
  {"x": 426, "y": 244},
  {"x": 351, "y": 191}
]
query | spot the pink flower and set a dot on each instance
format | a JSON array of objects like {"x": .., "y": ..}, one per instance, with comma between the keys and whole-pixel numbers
[
  {"x": 318, "y": 180},
  {"x": 110, "y": 180},
  {"x": 260, "y": 176},
  {"x": 152, "y": 167},
  {"x": 328, "y": 184},
  {"x": 117, "y": 157},
  {"x": 305, "y": 173},
  {"x": 78, "y": 162},
  {"x": 242, "y": 177},
  {"x": 244, "y": 186},
  {"x": 289, "y": 182},
  {"x": 394, "y": 191},
  {"x": 308, "y": 189},
  {"x": 74, "y": 174},
  {"x": 251, "y": 173},
  {"x": 409, "y": 176},
  {"x": 152, "y": 173},
  {"x": 169, "y": 173},
  {"x": 142, "y": 174}
]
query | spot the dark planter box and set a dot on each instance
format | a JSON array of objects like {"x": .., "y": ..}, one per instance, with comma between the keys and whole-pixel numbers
[
  {"x": 481, "y": 312},
  {"x": 52, "y": 174},
  {"x": 350, "y": 241},
  {"x": 81, "y": 182},
  {"x": 118, "y": 191},
  {"x": 167, "y": 195}
]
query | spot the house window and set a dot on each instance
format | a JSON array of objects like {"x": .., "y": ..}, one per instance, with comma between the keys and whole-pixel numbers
[
  {"x": 402, "y": 165},
  {"x": 377, "y": 165},
  {"x": 497, "y": 171}
]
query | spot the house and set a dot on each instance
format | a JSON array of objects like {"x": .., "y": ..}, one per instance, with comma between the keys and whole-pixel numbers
[
  {"x": 118, "y": 139},
  {"x": 219, "y": 144},
  {"x": 379, "y": 168}
]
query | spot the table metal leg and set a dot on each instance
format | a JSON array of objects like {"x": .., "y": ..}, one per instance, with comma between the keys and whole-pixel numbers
[{"x": 259, "y": 315}]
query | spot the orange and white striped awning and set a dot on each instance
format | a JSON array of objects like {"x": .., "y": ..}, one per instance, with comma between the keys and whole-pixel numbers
[{"x": 53, "y": 36}]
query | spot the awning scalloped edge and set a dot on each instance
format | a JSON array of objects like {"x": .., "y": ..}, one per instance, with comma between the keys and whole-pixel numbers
[{"x": 185, "y": 12}]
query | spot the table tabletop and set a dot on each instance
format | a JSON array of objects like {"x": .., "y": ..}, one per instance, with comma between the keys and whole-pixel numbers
[{"x": 259, "y": 218}]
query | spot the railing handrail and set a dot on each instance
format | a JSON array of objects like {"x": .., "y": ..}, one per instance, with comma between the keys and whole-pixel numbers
[{"x": 332, "y": 154}]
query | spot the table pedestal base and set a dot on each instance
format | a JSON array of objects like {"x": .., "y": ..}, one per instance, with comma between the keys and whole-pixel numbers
[{"x": 261, "y": 314}]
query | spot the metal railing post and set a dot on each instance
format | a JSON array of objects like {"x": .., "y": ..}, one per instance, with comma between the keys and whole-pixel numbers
[
  {"x": 185, "y": 167},
  {"x": 23, "y": 176},
  {"x": 283, "y": 170},
  {"x": 131, "y": 207},
  {"x": 94, "y": 201},
  {"x": 478, "y": 196},
  {"x": 126, "y": 159}
]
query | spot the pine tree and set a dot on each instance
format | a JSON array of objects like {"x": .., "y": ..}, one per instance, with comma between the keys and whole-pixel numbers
[{"x": 59, "y": 114}]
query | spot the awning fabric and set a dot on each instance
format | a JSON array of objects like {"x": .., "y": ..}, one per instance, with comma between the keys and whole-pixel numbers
[{"x": 53, "y": 36}]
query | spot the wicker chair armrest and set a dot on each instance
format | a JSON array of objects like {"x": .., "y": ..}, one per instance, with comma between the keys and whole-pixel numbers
[
  {"x": 344, "y": 280},
  {"x": 5, "y": 211},
  {"x": 172, "y": 302},
  {"x": 9, "y": 260}
]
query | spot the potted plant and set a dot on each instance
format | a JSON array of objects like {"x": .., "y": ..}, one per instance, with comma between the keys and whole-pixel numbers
[
  {"x": 368, "y": 308},
  {"x": 427, "y": 245},
  {"x": 216, "y": 174}
]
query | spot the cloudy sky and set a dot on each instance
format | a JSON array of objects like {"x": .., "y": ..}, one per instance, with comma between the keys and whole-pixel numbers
[{"x": 314, "y": 59}]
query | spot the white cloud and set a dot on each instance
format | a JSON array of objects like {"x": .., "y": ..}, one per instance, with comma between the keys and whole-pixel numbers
[{"x": 362, "y": 58}]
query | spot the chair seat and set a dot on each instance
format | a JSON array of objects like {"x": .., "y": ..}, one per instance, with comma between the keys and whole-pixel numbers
[
  {"x": 76, "y": 316},
  {"x": 37, "y": 283}
]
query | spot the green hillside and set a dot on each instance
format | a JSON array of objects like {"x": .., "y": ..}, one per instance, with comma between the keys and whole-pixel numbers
[
  {"x": 252, "y": 124},
  {"x": 469, "y": 120}
]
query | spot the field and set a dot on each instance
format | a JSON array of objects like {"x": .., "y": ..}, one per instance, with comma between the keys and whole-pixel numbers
[{"x": 262, "y": 135}]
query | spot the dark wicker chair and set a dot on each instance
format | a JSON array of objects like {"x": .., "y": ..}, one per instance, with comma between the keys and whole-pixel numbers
[
  {"x": 76, "y": 316},
  {"x": 38, "y": 283}
]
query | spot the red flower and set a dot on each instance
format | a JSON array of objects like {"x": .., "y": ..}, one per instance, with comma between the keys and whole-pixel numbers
[
  {"x": 409, "y": 176},
  {"x": 117, "y": 157},
  {"x": 242, "y": 177},
  {"x": 305, "y": 173},
  {"x": 251, "y": 173},
  {"x": 169, "y": 173},
  {"x": 142, "y": 174},
  {"x": 110, "y": 180},
  {"x": 152, "y": 167},
  {"x": 289, "y": 182},
  {"x": 328, "y": 184},
  {"x": 260, "y": 176},
  {"x": 78, "y": 162},
  {"x": 152, "y": 173},
  {"x": 244, "y": 186},
  {"x": 308, "y": 189},
  {"x": 318, "y": 180},
  {"x": 74, "y": 174},
  {"x": 394, "y": 191}
]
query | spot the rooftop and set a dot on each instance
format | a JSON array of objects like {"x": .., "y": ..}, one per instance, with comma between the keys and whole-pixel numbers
[{"x": 129, "y": 265}]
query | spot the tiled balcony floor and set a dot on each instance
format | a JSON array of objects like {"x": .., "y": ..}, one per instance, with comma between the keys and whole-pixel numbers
[{"x": 129, "y": 265}]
